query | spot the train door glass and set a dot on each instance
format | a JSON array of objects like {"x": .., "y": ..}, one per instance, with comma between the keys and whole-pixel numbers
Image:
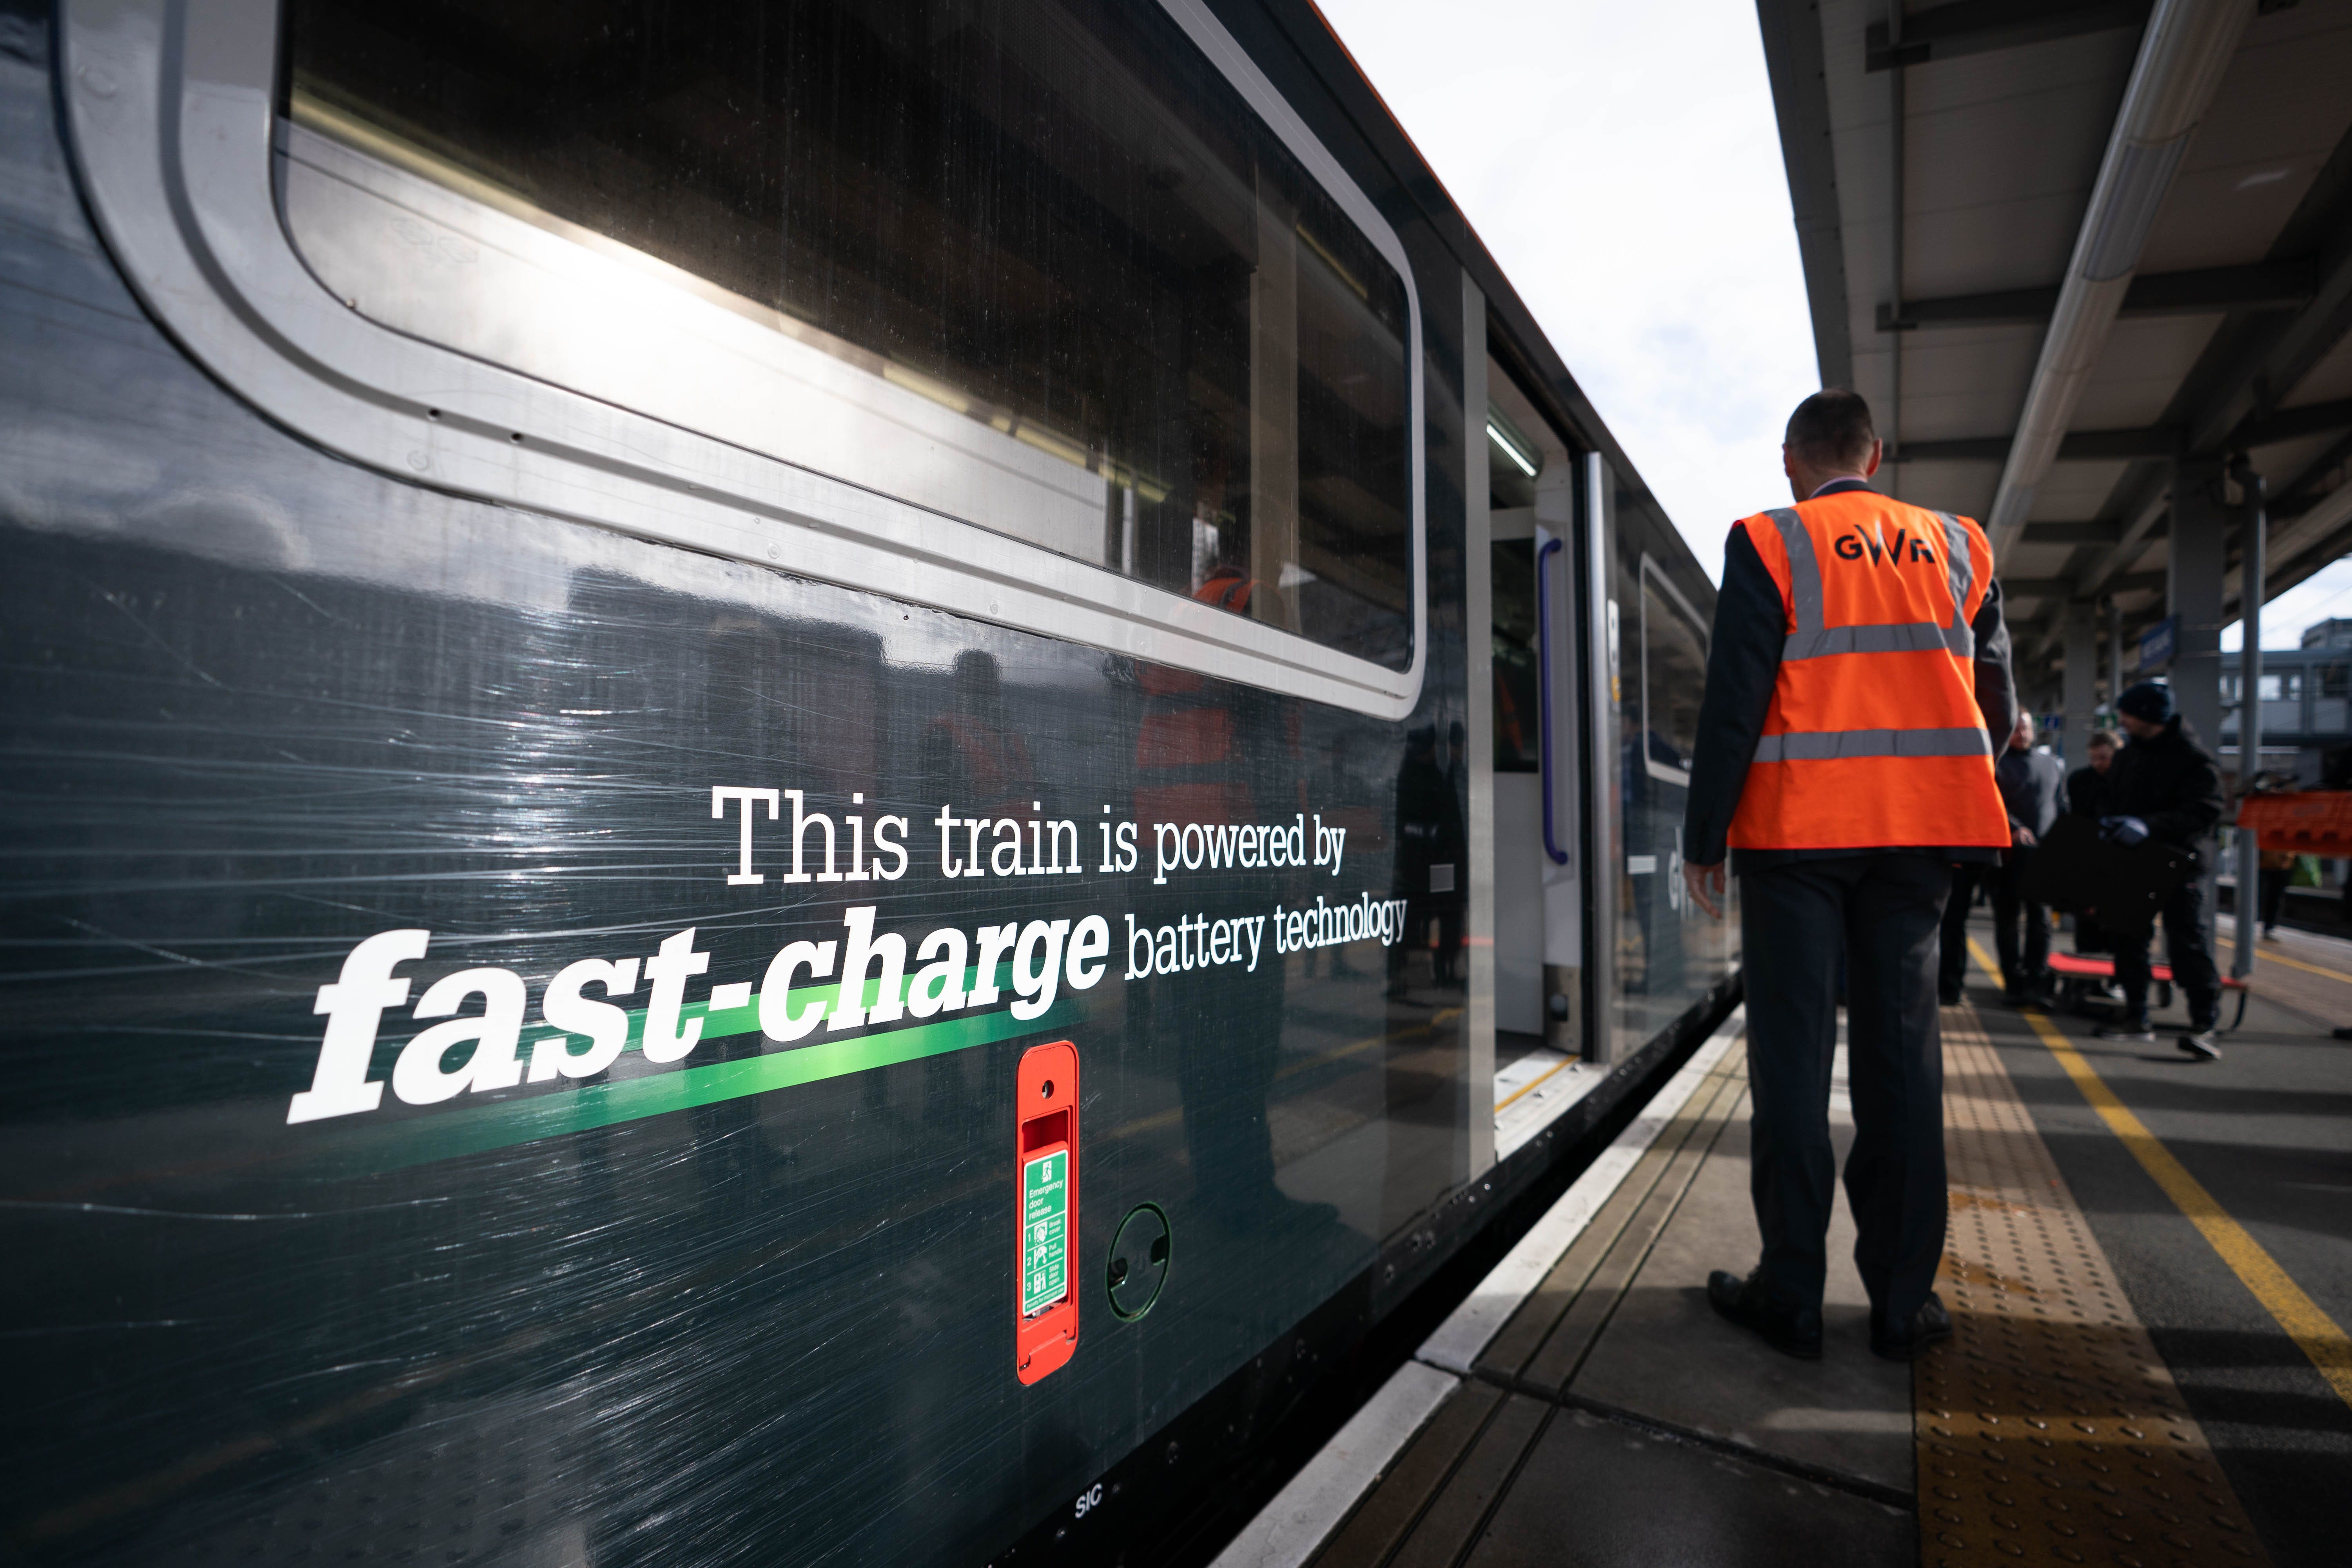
[
  {"x": 1160, "y": 344},
  {"x": 1674, "y": 673},
  {"x": 1669, "y": 952}
]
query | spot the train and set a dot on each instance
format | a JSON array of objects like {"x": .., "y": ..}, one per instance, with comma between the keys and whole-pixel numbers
[{"x": 787, "y": 781}]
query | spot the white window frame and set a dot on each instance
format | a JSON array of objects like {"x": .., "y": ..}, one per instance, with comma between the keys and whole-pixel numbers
[{"x": 171, "y": 108}]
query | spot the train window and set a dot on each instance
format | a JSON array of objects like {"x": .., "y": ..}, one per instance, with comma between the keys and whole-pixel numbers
[
  {"x": 1049, "y": 238},
  {"x": 1673, "y": 675}
]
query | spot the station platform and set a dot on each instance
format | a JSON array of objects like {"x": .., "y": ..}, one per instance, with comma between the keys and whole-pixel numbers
[{"x": 2148, "y": 1267}]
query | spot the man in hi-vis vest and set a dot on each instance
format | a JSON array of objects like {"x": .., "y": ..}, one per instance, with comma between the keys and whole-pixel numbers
[{"x": 1857, "y": 678}]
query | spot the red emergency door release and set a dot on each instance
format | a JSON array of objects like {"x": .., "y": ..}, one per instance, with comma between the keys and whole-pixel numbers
[{"x": 1045, "y": 1138}]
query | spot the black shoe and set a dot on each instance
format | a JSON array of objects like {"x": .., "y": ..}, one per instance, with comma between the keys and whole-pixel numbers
[
  {"x": 1930, "y": 1325},
  {"x": 1950, "y": 995},
  {"x": 2131, "y": 1033},
  {"x": 1791, "y": 1330},
  {"x": 2199, "y": 1043}
]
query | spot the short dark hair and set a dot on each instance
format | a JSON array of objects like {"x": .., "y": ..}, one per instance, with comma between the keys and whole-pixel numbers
[
  {"x": 2108, "y": 739},
  {"x": 1832, "y": 426}
]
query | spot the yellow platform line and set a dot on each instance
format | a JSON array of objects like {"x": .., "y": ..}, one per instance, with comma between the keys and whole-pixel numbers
[
  {"x": 2313, "y": 1331},
  {"x": 2263, "y": 955},
  {"x": 1532, "y": 1085}
]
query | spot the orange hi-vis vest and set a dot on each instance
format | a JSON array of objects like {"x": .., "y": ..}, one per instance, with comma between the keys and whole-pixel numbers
[{"x": 1873, "y": 738}]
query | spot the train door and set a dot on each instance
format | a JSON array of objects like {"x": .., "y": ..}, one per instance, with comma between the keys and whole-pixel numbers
[
  {"x": 1660, "y": 960},
  {"x": 1538, "y": 928}
]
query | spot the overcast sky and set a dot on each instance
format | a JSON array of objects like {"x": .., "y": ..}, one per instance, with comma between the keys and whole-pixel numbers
[
  {"x": 2324, "y": 594},
  {"x": 1623, "y": 164}
]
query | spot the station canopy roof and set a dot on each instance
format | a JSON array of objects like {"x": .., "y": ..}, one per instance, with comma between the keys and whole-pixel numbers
[{"x": 2062, "y": 245}]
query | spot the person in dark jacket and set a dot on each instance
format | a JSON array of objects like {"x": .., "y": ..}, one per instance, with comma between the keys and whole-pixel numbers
[
  {"x": 1865, "y": 904},
  {"x": 2166, "y": 787},
  {"x": 2087, "y": 795},
  {"x": 2086, "y": 787},
  {"x": 2030, "y": 783}
]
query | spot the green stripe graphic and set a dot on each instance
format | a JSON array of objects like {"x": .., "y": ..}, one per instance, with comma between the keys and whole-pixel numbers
[{"x": 478, "y": 1129}]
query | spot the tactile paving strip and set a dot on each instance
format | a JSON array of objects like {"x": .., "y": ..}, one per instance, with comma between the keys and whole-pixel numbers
[{"x": 2049, "y": 1428}]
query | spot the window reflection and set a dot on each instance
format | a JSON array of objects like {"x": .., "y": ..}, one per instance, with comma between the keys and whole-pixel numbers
[
  {"x": 1670, "y": 953},
  {"x": 1058, "y": 219},
  {"x": 1673, "y": 675}
]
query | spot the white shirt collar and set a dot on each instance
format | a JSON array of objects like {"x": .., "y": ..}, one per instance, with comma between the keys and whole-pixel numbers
[{"x": 1841, "y": 480}]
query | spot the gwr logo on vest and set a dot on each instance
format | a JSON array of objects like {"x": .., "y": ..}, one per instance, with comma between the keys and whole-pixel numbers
[{"x": 1854, "y": 546}]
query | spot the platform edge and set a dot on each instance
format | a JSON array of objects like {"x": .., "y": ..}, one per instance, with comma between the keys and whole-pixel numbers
[
  {"x": 1458, "y": 1341},
  {"x": 1302, "y": 1516}
]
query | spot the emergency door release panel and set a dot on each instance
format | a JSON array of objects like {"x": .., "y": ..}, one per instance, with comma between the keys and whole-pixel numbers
[{"x": 1045, "y": 1138}]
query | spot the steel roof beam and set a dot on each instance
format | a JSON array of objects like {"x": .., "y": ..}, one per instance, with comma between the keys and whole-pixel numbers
[
  {"x": 1801, "y": 101},
  {"x": 2296, "y": 499},
  {"x": 2101, "y": 530},
  {"x": 2148, "y": 505},
  {"x": 2183, "y": 55},
  {"x": 2249, "y": 367},
  {"x": 2242, "y": 369},
  {"x": 2326, "y": 549},
  {"x": 2303, "y": 492},
  {"x": 2289, "y": 424},
  {"x": 2078, "y": 447},
  {"x": 2280, "y": 360},
  {"x": 2261, "y": 286},
  {"x": 2154, "y": 441},
  {"x": 1974, "y": 27},
  {"x": 2317, "y": 536},
  {"x": 2233, "y": 417},
  {"x": 2064, "y": 588},
  {"x": 2306, "y": 534}
]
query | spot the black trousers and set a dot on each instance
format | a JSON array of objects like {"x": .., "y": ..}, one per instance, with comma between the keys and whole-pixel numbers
[
  {"x": 1952, "y": 967},
  {"x": 2192, "y": 961},
  {"x": 2273, "y": 881},
  {"x": 1880, "y": 914},
  {"x": 2019, "y": 968}
]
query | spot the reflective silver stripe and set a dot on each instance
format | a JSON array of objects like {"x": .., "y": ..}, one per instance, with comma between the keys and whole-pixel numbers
[
  {"x": 1828, "y": 744},
  {"x": 1804, "y": 569},
  {"x": 1915, "y": 636},
  {"x": 1963, "y": 569}
]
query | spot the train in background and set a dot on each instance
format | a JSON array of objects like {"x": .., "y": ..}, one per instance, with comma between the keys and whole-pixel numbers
[{"x": 787, "y": 782}]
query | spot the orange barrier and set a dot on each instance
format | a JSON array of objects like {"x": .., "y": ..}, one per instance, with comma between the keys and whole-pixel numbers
[{"x": 2300, "y": 822}]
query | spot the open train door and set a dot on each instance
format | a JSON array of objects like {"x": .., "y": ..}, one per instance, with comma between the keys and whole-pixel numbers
[{"x": 1533, "y": 479}]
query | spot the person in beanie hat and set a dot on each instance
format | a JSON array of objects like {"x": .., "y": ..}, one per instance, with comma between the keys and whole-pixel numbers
[
  {"x": 2163, "y": 786},
  {"x": 2150, "y": 702}
]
